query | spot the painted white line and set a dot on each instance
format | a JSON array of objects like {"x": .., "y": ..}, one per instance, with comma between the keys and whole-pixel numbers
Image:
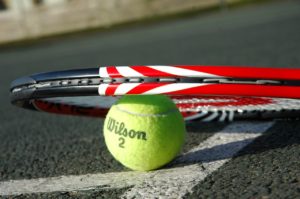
[
  {"x": 170, "y": 183},
  {"x": 212, "y": 154}
]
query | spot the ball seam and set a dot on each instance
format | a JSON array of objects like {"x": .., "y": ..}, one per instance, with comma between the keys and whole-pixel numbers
[{"x": 166, "y": 113}]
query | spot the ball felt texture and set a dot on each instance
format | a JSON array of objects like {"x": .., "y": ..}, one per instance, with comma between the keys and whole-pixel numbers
[{"x": 144, "y": 132}]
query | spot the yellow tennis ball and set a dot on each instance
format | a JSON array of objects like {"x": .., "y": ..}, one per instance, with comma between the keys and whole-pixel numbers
[{"x": 144, "y": 132}]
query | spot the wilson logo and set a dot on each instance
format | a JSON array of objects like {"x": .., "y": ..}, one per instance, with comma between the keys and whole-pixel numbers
[{"x": 119, "y": 128}]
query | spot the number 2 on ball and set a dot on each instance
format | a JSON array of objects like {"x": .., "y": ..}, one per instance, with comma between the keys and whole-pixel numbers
[{"x": 122, "y": 141}]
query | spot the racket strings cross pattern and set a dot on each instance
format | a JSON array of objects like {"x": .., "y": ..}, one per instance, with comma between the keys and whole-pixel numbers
[{"x": 205, "y": 93}]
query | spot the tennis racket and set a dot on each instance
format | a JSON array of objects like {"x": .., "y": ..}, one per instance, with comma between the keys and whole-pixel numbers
[{"x": 205, "y": 93}]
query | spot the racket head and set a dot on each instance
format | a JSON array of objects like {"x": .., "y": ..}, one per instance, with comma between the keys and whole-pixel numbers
[
  {"x": 170, "y": 80},
  {"x": 220, "y": 96}
]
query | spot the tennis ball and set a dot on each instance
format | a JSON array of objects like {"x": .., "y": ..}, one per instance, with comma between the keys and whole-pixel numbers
[{"x": 144, "y": 132}]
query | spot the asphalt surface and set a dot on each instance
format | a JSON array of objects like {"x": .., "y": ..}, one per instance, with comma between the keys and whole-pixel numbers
[{"x": 42, "y": 145}]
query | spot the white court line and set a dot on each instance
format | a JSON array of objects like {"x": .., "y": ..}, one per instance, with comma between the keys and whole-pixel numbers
[{"x": 165, "y": 183}]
